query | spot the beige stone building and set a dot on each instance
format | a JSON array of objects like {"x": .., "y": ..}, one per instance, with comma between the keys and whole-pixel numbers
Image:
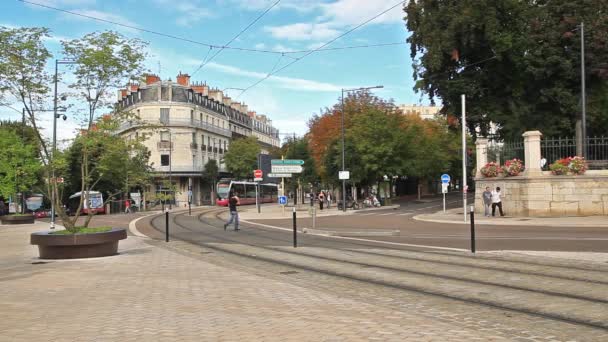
[
  {"x": 186, "y": 125},
  {"x": 425, "y": 112}
]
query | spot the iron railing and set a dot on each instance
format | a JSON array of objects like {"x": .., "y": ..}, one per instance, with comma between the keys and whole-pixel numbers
[
  {"x": 596, "y": 148},
  {"x": 500, "y": 152}
]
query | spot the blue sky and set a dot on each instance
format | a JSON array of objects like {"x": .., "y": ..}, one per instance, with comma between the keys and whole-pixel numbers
[{"x": 290, "y": 97}]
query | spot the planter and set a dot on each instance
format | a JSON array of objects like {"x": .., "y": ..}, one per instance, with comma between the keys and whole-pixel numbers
[
  {"x": 17, "y": 219},
  {"x": 72, "y": 246}
]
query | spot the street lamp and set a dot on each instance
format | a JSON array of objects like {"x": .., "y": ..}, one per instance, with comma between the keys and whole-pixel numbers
[
  {"x": 342, "y": 124},
  {"x": 55, "y": 117},
  {"x": 583, "y": 100}
]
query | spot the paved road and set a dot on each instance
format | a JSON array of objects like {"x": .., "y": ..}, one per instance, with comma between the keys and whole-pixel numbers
[
  {"x": 523, "y": 298},
  {"x": 489, "y": 237}
]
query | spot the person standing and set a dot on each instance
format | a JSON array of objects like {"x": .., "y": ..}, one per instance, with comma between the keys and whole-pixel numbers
[
  {"x": 487, "y": 201},
  {"x": 127, "y": 206},
  {"x": 321, "y": 200},
  {"x": 233, "y": 201},
  {"x": 497, "y": 201},
  {"x": 328, "y": 200}
]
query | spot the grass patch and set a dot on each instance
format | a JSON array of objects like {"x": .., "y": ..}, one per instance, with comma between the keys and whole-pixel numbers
[
  {"x": 83, "y": 230},
  {"x": 19, "y": 215}
]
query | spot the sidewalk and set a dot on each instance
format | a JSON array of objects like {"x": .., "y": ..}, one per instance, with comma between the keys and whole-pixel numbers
[
  {"x": 455, "y": 216},
  {"x": 154, "y": 291},
  {"x": 275, "y": 211}
]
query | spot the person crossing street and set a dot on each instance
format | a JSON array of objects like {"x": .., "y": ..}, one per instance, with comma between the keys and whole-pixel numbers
[{"x": 233, "y": 202}]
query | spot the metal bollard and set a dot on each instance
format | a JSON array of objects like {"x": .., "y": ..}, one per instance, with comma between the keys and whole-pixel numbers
[
  {"x": 167, "y": 225},
  {"x": 295, "y": 236},
  {"x": 472, "y": 210}
]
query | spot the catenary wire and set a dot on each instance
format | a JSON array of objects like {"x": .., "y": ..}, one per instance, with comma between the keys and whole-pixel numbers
[
  {"x": 192, "y": 41},
  {"x": 235, "y": 37},
  {"x": 320, "y": 47}
]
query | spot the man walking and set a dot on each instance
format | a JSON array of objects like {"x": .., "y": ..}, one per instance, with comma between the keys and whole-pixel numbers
[
  {"x": 127, "y": 206},
  {"x": 487, "y": 201},
  {"x": 233, "y": 201},
  {"x": 497, "y": 201},
  {"x": 321, "y": 200},
  {"x": 329, "y": 199}
]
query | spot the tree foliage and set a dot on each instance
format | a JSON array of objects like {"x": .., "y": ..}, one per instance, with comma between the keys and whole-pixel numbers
[
  {"x": 19, "y": 164},
  {"x": 242, "y": 157},
  {"x": 518, "y": 62}
]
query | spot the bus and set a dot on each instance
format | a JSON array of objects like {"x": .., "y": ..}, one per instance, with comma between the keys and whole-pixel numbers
[
  {"x": 245, "y": 191},
  {"x": 93, "y": 203}
]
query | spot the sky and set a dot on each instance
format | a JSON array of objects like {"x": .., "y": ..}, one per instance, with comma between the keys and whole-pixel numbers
[{"x": 291, "y": 96}]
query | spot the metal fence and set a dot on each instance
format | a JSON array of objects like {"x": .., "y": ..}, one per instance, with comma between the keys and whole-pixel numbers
[
  {"x": 553, "y": 149},
  {"x": 499, "y": 152}
]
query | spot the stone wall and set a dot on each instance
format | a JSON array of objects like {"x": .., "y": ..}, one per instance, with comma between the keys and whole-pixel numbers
[{"x": 549, "y": 195}]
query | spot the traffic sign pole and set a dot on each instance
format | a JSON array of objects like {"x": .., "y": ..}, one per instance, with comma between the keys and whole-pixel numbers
[{"x": 445, "y": 180}]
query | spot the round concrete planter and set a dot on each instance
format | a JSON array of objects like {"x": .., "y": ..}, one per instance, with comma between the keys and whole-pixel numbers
[
  {"x": 72, "y": 246},
  {"x": 17, "y": 219}
]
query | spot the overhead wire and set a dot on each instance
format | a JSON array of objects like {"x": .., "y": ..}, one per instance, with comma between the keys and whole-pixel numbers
[
  {"x": 320, "y": 47},
  {"x": 209, "y": 45},
  {"x": 236, "y": 36}
]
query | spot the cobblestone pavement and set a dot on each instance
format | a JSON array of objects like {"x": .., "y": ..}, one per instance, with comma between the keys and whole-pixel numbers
[{"x": 183, "y": 291}]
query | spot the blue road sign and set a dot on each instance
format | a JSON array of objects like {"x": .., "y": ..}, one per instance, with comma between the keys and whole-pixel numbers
[
  {"x": 282, "y": 200},
  {"x": 445, "y": 178}
]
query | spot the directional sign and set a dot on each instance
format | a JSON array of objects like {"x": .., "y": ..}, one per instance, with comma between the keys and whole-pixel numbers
[
  {"x": 282, "y": 200},
  {"x": 286, "y": 169},
  {"x": 279, "y": 175},
  {"x": 343, "y": 174},
  {"x": 445, "y": 178},
  {"x": 287, "y": 162}
]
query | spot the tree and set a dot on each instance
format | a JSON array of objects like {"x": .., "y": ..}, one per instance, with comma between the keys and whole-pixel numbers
[
  {"x": 19, "y": 164},
  {"x": 518, "y": 61},
  {"x": 242, "y": 157},
  {"x": 210, "y": 174}
]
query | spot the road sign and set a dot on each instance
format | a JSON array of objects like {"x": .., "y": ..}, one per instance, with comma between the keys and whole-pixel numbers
[
  {"x": 279, "y": 175},
  {"x": 258, "y": 175},
  {"x": 287, "y": 162},
  {"x": 343, "y": 174},
  {"x": 282, "y": 200},
  {"x": 445, "y": 178},
  {"x": 286, "y": 168},
  {"x": 444, "y": 188}
]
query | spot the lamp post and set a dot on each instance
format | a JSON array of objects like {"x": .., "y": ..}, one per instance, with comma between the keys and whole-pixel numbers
[
  {"x": 342, "y": 125},
  {"x": 55, "y": 117},
  {"x": 583, "y": 99}
]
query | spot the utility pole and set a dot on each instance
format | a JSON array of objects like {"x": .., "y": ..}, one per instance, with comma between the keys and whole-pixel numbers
[
  {"x": 583, "y": 95},
  {"x": 464, "y": 158}
]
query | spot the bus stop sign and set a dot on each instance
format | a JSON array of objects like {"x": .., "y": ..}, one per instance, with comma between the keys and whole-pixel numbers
[{"x": 282, "y": 200}]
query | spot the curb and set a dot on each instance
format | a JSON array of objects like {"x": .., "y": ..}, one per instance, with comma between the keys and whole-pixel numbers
[
  {"x": 421, "y": 218},
  {"x": 348, "y": 234}
]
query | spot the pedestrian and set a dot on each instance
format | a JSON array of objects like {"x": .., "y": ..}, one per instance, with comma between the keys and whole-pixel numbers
[
  {"x": 233, "y": 201},
  {"x": 127, "y": 206},
  {"x": 321, "y": 200},
  {"x": 496, "y": 201},
  {"x": 487, "y": 201},
  {"x": 329, "y": 199}
]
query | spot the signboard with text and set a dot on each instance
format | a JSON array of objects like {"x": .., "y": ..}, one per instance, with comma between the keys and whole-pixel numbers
[
  {"x": 287, "y": 162},
  {"x": 286, "y": 168}
]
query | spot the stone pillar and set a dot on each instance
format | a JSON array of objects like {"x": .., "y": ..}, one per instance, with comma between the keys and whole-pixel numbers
[
  {"x": 482, "y": 154},
  {"x": 532, "y": 153}
]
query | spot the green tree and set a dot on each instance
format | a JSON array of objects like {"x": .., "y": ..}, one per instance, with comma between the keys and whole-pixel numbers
[
  {"x": 19, "y": 164},
  {"x": 209, "y": 176},
  {"x": 242, "y": 157},
  {"x": 517, "y": 61}
]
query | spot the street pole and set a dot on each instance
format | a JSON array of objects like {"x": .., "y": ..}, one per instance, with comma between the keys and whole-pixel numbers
[
  {"x": 170, "y": 172},
  {"x": 343, "y": 180},
  {"x": 257, "y": 187},
  {"x": 53, "y": 180},
  {"x": 583, "y": 95},
  {"x": 464, "y": 156}
]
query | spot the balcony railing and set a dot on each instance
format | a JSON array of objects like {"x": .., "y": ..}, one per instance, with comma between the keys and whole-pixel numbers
[
  {"x": 185, "y": 168},
  {"x": 176, "y": 122},
  {"x": 193, "y": 146},
  {"x": 164, "y": 145}
]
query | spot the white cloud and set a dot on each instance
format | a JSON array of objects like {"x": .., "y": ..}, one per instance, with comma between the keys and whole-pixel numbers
[
  {"x": 256, "y": 5},
  {"x": 104, "y": 16},
  {"x": 353, "y": 12},
  {"x": 281, "y": 81},
  {"x": 303, "y": 31},
  {"x": 188, "y": 13},
  {"x": 57, "y": 3},
  {"x": 260, "y": 46}
]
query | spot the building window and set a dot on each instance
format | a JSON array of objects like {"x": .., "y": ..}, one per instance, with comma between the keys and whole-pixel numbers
[
  {"x": 194, "y": 138},
  {"x": 164, "y": 115},
  {"x": 164, "y": 160},
  {"x": 164, "y": 136}
]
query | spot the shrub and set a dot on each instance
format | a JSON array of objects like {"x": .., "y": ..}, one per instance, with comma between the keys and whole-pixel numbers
[
  {"x": 558, "y": 168},
  {"x": 491, "y": 169},
  {"x": 513, "y": 167}
]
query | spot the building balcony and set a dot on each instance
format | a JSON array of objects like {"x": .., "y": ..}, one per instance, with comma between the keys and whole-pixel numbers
[
  {"x": 164, "y": 145},
  {"x": 174, "y": 123},
  {"x": 180, "y": 169},
  {"x": 193, "y": 146}
]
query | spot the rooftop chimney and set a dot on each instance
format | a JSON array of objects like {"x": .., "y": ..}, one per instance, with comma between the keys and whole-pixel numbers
[
  {"x": 227, "y": 100},
  {"x": 201, "y": 89},
  {"x": 151, "y": 79},
  {"x": 216, "y": 94},
  {"x": 134, "y": 87},
  {"x": 183, "y": 79}
]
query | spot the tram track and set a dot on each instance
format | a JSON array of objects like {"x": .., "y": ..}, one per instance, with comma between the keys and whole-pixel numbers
[{"x": 414, "y": 279}]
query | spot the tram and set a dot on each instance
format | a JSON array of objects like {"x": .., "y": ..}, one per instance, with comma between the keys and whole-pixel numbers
[{"x": 245, "y": 191}]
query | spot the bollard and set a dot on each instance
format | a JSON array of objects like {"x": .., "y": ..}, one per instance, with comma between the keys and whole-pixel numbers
[
  {"x": 189, "y": 210},
  {"x": 295, "y": 236},
  {"x": 167, "y": 225},
  {"x": 472, "y": 210}
]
